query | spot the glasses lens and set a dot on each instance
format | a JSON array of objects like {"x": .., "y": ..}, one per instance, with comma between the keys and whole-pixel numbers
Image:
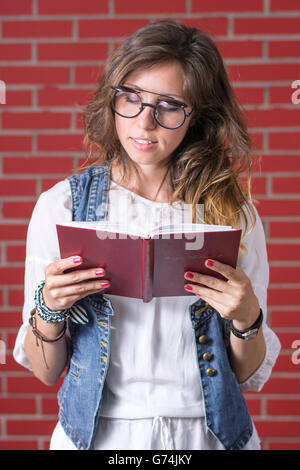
[
  {"x": 126, "y": 103},
  {"x": 170, "y": 115}
]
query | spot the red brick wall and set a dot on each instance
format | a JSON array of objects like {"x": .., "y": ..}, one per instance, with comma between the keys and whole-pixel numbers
[{"x": 51, "y": 53}]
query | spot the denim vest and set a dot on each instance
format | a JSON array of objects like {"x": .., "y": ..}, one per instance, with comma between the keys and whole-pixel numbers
[{"x": 80, "y": 395}]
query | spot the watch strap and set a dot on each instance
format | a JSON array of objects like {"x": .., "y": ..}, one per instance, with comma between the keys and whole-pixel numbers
[{"x": 250, "y": 332}]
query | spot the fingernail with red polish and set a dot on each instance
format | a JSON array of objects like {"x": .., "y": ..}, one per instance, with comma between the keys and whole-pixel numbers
[
  {"x": 99, "y": 272},
  {"x": 187, "y": 287},
  {"x": 104, "y": 284},
  {"x": 77, "y": 259},
  {"x": 189, "y": 275},
  {"x": 210, "y": 263}
]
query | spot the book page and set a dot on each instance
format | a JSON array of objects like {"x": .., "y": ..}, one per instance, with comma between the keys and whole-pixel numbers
[{"x": 116, "y": 227}]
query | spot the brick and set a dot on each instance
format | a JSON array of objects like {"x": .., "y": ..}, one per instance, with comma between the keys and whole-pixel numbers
[
  {"x": 284, "y": 363},
  {"x": 263, "y": 72},
  {"x": 284, "y": 48},
  {"x": 18, "y": 209},
  {"x": 88, "y": 74},
  {"x": 258, "y": 185},
  {"x": 228, "y": 6},
  {"x": 36, "y": 29},
  {"x": 278, "y": 428},
  {"x": 290, "y": 185},
  {"x": 60, "y": 142},
  {"x": 28, "y": 384},
  {"x": 280, "y": 163},
  {"x": 76, "y": 51},
  {"x": 273, "y": 117},
  {"x": 16, "y": 297},
  {"x": 15, "y": 143},
  {"x": 13, "y": 231},
  {"x": 284, "y": 274},
  {"x": 13, "y": 406},
  {"x": 36, "y": 120},
  {"x": 15, "y": 52},
  {"x": 286, "y": 318},
  {"x": 17, "y": 187},
  {"x": 253, "y": 406},
  {"x": 72, "y": 7},
  {"x": 18, "y": 97},
  {"x": 35, "y": 74},
  {"x": 30, "y": 427},
  {"x": 267, "y": 25},
  {"x": 18, "y": 445},
  {"x": 284, "y": 445},
  {"x": 283, "y": 296},
  {"x": 216, "y": 25},
  {"x": 63, "y": 97},
  {"x": 249, "y": 95},
  {"x": 284, "y": 229},
  {"x": 37, "y": 165},
  {"x": 47, "y": 183},
  {"x": 279, "y": 207},
  {"x": 287, "y": 338},
  {"x": 288, "y": 385},
  {"x": 10, "y": 319},
  {"x": 155, "y": 6},
  {"x": 284, "y": 5},
  {"x": 283, "y": 407},
  {"x": 109, "y": 27},
  {"x": 49, "y": 406},
  {"x": 284, "y": 140},
  {"x": 15, "y": 8},
  {"x": 281, "y": 94},
  {"x": 11, "y": 275},
  {"x": 240, "y": 49},
  {"x": 283, "y": 251}
]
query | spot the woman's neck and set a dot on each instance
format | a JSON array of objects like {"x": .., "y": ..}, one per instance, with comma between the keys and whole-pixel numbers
[{"x": 153, "y": 184}]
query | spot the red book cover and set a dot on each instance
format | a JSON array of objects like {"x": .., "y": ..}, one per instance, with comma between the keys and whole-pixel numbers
[{"x": 146, "y": 267}]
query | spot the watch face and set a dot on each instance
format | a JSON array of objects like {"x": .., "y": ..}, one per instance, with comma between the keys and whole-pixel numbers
[{"x": 250, "y": 334}]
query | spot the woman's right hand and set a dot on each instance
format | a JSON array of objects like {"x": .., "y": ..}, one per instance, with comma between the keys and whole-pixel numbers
[{"x": 62, "y": 290}]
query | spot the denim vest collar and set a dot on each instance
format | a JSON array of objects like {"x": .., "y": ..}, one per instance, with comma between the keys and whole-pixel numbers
[{"x": 80, "y": 395}]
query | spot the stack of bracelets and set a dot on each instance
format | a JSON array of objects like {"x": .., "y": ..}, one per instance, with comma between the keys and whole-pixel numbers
[
  {"x": 52, "y": 316},
  {"x": 49, "y": 316}
]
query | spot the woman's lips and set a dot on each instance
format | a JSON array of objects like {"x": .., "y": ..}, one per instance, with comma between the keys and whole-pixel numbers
[{"x": 143, "y": 144}]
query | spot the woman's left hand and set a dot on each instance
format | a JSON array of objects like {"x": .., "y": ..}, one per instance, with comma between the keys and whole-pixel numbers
[{"x": 234, "y": 299}]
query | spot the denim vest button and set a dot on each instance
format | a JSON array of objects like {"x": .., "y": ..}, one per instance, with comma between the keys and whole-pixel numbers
[
  {"x": 210, "y": 372},
  {"x": 202, "y": 339},
  {"x": 207, "y": 356}
]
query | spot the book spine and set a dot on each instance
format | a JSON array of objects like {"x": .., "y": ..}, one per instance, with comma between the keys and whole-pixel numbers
[{"x": 147, "y": 269}]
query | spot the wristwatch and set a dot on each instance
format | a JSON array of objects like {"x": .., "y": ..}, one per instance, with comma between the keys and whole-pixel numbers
[{"x": 251, "y": 332}]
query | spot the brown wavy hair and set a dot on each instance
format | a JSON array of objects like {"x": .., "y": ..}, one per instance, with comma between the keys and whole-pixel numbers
[{"x": 207, "y": 166}]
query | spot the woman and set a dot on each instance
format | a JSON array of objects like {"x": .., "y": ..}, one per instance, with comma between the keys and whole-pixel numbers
[{"x": 162, "y": 130}]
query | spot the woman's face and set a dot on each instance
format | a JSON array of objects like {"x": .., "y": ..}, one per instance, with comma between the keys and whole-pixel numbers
[{"x": 144, "y": 140}]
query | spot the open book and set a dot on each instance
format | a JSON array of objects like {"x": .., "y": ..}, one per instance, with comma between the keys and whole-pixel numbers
[{"x": 146, "y": 265}]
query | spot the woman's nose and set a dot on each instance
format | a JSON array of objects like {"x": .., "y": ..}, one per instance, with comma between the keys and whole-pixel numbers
[{"x": 146, "y": 119}]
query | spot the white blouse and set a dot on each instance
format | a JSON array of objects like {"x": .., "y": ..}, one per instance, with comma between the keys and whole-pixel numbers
[{"x": 156, "y": 403}]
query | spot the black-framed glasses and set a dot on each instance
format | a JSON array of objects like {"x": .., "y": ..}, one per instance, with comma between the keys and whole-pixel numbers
[{"x": 168, "y": 112}]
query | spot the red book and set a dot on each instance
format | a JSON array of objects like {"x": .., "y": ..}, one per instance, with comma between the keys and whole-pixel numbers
[{"x": 150, "y": 265}]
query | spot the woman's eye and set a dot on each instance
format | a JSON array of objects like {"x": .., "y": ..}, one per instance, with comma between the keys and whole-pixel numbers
[
  {"x": 168, "y": 106},
  {"x": 131, "y": 98}
]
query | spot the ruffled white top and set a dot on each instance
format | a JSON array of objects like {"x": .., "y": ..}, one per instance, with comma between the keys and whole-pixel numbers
[{"x": 152, "y": 395}]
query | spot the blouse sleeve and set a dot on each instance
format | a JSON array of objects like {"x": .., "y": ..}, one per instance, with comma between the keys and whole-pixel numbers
[
  {"x": 53, "y": 206},
  {"x": 254, "y": 263}
]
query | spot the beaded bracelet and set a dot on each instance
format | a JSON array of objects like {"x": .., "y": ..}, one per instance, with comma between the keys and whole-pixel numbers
[{"x": 48, "y": 315}]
